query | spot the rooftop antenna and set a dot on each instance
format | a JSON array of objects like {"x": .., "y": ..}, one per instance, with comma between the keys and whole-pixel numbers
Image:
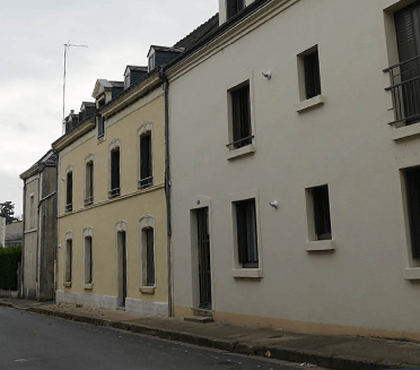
[{"x": 67, "y": 48}]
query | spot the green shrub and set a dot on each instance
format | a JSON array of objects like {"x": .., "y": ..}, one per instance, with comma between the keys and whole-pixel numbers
[{"x": 9, "y": 259}]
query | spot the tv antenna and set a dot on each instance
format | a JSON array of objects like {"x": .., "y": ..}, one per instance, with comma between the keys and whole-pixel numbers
[{"x": 66, "y": 49}]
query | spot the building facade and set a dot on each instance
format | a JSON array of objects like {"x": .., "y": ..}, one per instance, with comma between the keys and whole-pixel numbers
[
  {"x": 295, "y": 169},
  {"x": 39, "y": 228},
  {"x": 111, "y": 204}
]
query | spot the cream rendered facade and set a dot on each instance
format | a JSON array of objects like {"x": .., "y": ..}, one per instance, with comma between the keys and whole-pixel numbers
[
  {"x": 361, "y": 279},
  {"x": 93, "y": 269}
]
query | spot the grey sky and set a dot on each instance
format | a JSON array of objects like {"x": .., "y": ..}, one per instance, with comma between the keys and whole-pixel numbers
[{"x": 33, "y": 32}]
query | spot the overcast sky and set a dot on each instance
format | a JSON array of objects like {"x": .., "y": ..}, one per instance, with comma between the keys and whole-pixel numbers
[{"x": 32, "y": 35}]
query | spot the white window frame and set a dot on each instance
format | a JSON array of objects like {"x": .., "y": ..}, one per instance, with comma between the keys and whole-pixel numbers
[{"x": 146, "y": 222}]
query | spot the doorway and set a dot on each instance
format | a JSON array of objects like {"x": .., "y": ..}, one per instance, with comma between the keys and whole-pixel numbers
[
  {"x": 121, "y": 268},
  {"x": 203, "y": 254}
]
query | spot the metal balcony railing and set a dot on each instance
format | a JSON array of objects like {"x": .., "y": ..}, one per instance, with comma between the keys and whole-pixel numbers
[{"x": 405, "y": 89}]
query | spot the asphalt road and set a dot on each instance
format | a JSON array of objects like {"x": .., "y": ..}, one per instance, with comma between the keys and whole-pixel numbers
[{"x": 30, "y": 341}]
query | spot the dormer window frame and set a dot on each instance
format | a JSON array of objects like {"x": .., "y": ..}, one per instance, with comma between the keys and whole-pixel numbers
[
  {"x": 233, "y": 7},
  {"x": 151, "y": 60}
]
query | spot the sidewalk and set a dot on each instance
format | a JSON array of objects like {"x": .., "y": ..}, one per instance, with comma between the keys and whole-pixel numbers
[{"x": 335, "y": 352}]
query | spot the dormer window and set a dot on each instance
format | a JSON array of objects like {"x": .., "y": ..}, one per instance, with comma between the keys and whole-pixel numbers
[
  {"x": 233, "y": 7},
  {"x": 151, "y": 63}
]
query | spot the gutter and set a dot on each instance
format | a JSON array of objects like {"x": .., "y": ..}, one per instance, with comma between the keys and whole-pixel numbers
[{"x": 168, "y": 196}]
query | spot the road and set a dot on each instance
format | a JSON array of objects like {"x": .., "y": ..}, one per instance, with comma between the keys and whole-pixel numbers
[{"x": 30, "y": 341}]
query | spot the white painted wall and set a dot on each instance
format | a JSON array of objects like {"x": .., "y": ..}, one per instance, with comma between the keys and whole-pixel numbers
[{"x": 346, "y": 143}]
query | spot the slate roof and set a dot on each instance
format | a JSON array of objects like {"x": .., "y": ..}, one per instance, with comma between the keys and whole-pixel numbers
[{"x": 199, "y": 33}]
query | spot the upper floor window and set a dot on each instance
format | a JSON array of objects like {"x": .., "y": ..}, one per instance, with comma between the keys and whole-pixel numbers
[
  {"x": 69, "y": 192},
  {"x": 240, "y": 107},
  {"x": 89, "y": 183},
  {"x": 115, "y": 173},
  {"x": 405, "y": 76},
  {"x": 146, "y": 174},
  {"x": 234, "y": 6},
  {"x": 312, "y": 75},
  {"x": 100, "y": 125}
]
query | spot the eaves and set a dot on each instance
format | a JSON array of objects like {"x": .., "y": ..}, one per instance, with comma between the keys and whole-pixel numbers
[
  {"x": 256, "y": 14},
  {"x": 131, "y": 95},
  {"x": 72, "y": 136}
]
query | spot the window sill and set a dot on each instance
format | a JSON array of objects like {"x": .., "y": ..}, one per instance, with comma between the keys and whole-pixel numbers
[
  {"x": 245, "y": 150},
  {"x": 412, "y": 273},
  {"x": 67, "y": 284},
  {"x": 247, "y": 273},
  {"x": 87, "y": 286},
  {"x": 308, "y": 104},
  {"x": 405, "y": 132},
  {"x": 320, "y": 245},
  {"x": 147, "y": 289}
]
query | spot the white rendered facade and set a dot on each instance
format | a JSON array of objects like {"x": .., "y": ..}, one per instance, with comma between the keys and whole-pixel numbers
[{"x": 361, "y": 279}]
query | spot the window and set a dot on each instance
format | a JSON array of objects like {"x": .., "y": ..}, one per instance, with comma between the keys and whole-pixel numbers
[
  {"x": 319, "y": 213},
  {"x": 246, "y": 233},
  {"x": 312, "y": 75},
  {"x": 412, "y": 183},
  {"x": 405, "y": 76},
  {"x": 241, "y": 130},
  {"x": 89, "y": 183},
  {"x": 148, "y": 257},
  {"x": 234, "y": 6},
  {"x": 69, "y": 192},
  {"x": 32, "y": 214},
  {"x": 100, "y": 124},
  {"x": 88, "y": 262},
  {"x": 146, "y": 178},
  {"x": 115, "y": 173},
  {"x": 68, "y": 261}
]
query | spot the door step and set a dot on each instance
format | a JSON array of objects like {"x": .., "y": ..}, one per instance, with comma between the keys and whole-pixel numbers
[{"x": 199, "y": 319}]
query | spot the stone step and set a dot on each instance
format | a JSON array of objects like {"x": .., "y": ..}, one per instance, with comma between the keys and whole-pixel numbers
[{"x": 199, "y": 319}]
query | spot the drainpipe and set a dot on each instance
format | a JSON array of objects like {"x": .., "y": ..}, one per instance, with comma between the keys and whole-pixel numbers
[
  {"x": 55, "y": 230},
  {"x": 22, "y": 259},
  {"x": 168, "y": 196}
]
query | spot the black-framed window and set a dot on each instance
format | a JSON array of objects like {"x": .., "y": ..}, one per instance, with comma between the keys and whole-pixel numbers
[
  {"x": 241, "y": 116},
  {"x": 321, "y": 212},
  {"x": 149, "y": 265},
  {"x": 89, "y": 183},
  {"x": 115, "y": 173},
  {"x": 100, "y": 124},
  {"x": 146, "y": 173},
  {"x": 312, "y": 74},
  {"x": 246, "y": 233},
  {"x": 412, "y": 185},
  {"x": 234, "y": 6},
  {"x": 69, "y": 192}
]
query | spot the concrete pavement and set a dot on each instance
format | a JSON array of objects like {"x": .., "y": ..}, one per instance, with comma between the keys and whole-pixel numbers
[{"x": 335, "y": 352}]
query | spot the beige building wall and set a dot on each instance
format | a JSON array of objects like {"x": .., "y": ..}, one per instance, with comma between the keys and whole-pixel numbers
[
  {"x": 363, "y": 280},
  {"x": 129, "y": 212}
]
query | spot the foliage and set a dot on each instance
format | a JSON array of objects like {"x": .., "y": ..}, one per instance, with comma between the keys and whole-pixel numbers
[
  {"x": 9, "y": 259},
  {"x": 7, "y": 210}
]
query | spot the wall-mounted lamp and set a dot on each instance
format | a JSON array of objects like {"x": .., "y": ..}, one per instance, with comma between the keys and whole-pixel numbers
[
  {"x": 267, "y": 75},
  {"x": 274, "y": 204},
  {"x": 63, "y": 179}
]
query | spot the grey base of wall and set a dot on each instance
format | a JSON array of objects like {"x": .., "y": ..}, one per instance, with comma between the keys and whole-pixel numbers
[
  {"x": 111, "y": 303},
  {"x": 9, "y": 293}
]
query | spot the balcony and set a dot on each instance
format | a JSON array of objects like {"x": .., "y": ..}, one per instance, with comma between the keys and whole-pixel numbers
[{"x": 405, "y": 89}]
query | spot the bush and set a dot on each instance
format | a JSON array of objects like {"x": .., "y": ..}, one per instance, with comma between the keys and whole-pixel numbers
[{"x": 9, "y": 259}]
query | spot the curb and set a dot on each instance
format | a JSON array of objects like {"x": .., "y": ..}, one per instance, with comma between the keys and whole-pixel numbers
[{"x": 278, "y": 353}]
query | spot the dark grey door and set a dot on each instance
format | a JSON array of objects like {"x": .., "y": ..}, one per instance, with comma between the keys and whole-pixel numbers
[{"x": 204, "y": 271}]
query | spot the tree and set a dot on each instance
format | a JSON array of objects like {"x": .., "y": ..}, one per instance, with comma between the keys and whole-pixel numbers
[{"x": 7, "y": 210}]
